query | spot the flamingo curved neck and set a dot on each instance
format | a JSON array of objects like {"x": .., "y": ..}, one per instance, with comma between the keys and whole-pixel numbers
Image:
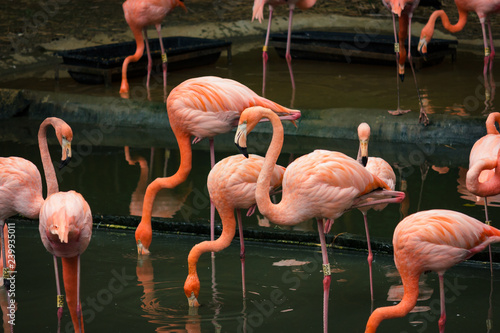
[
  {"x": 179, "y": 177},
  {"x": 462, "y": 20},
  {"x": 275, "y": 212},
  {"x": 410, "y": 284},
  {"x": 490, "y": 123},
  {"x": 489, "y": 187},
  {"x": 192, "y": 284},
  {"x": 48, "y": 167},
  {"x": 139, "y": 51}
]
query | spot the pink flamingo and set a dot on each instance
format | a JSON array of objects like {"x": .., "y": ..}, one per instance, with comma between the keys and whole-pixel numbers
[
  {"x": 483, "y": 175},
  {"x": 258, "y": 13},
  {"x": 404, "y": 10},
  {"x": 20, "y": 180},
  {"x": 383, "y": 170},
  {"x": 432, "y": 240},
  {"x": 483, "y": 9},
  {"x": 322, "y": 184},
  {"x": 65, "y": 229},
  {"x": 202, "y": 107},
  {"x": 140, "y": 14},
  {"x": 231, "y": 184}
]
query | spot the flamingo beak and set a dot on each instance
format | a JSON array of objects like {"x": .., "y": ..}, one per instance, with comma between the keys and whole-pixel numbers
[
  {"x": 66, "y": 153},
  {"x": 422, "y": 47},
  {"x": 141, "y": 250},
  {"x": 240, "y": 139},
  {"x": 363, "y": 144}
]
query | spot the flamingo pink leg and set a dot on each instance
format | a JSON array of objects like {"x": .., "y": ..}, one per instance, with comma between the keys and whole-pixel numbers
[
  {"x": 327, "y": 274},
  {"x": 242, "y": 251},
  {"x": 58, "y": 289},
  {"x": 486, "y": 48},
  {"x": 488, "y": 221},
  {"x": 212, "y": 207},
  {"x": 288, "y": 42},
  {"x": 370, "y": 254},
  {"x": 78, "y": 304},
  {"x": 423, "y": 119},
  {"x": 150, "y": 59},
  {"x": 163, "y": 61},
  {"x": 398, "y": 111},
  {"x": 442, "y": 319},
  {"x": 265, "y": 57}
]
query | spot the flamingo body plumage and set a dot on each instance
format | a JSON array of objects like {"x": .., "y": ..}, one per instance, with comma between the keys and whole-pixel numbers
[
  {"x": 202, "y": 107},
  {"x": 66, "y": 229},
  {"x": 231, "y": 184},
  {"x": 433, "y": 240}
]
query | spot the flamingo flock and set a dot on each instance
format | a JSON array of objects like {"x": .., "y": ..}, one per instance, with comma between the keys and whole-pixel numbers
[{"x": 321, "y": 185}]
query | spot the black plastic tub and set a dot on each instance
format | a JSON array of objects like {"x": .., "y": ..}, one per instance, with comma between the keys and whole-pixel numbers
[
  {"x": 102, "y": 64},
  {"x": 357, "y": 47}
]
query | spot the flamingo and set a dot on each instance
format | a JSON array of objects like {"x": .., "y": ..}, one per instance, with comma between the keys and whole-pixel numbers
[
  {"x": 383, "y": 170},
  {"x": 231, "y": 184},
  {"x": 258, "y": 13},
  {"x": 20, "y": 180},
  {"x": 432, "y": 240},
  {"x": 483, "y": 9},
  {"x": 201, "y": 107},
  {"x": 65, "y": 229},
  {"x": 483, "y": 175},
  {"x": 322, "y": 184},
  {"x": 404, "y": 10},
  {"x": 140, "y": 14}
]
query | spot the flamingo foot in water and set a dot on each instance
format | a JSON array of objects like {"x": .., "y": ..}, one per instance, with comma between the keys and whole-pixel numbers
[
  {"x": 398, "y": 112},
  {"x": 423, "y": 119}
]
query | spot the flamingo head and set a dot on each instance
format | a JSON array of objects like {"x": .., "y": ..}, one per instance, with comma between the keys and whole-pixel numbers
[
  {"x": 65, "y": 136},
  {"x": 364, "y": 138},
  {"x": 143, "y": 238},
  {"x": 192, "y": 289},
  {"x": 425, "y": 38}
]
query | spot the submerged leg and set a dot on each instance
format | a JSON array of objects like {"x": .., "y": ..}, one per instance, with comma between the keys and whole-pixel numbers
[
  {"x": 488, "y": 223},
  {"x": 326, "y": 273}
]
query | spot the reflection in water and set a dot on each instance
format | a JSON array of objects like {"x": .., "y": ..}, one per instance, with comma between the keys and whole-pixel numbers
[
  {"x": 167, "y": 201},
  {"x": 153, "y": 312}
]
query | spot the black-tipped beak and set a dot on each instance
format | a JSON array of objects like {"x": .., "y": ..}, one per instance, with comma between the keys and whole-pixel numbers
[
  {"x": 402, "y": 77},
  {"x": 242, "y": 150},
  {"x": 364, "y": 160},
  {"x": 64, "y": 162}
]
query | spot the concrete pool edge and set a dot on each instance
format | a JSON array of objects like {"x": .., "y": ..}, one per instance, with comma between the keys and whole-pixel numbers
[
  {"x": 332, "y": 123},
  {"x": 341, "y": 241}
]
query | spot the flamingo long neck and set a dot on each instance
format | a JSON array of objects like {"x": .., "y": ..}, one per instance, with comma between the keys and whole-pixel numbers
[
  {"x": 488, "y": 187},
  {"x": 462, "y": 20},
  {"x": 277, "y": 213},
  {"x": 490, "y": 123},
  {"x": 139, "y": 51},
  {"x": 183, "y": 140},
  {"x": 48, "y": 167},
  {"x": 410, "y": 285},
  {"x": 227, "y": 235},
  {"x": 70, "y": 278}
]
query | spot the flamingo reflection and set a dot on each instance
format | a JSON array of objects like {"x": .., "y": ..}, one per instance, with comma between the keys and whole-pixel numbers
[{"x": 167, "y": 202}]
